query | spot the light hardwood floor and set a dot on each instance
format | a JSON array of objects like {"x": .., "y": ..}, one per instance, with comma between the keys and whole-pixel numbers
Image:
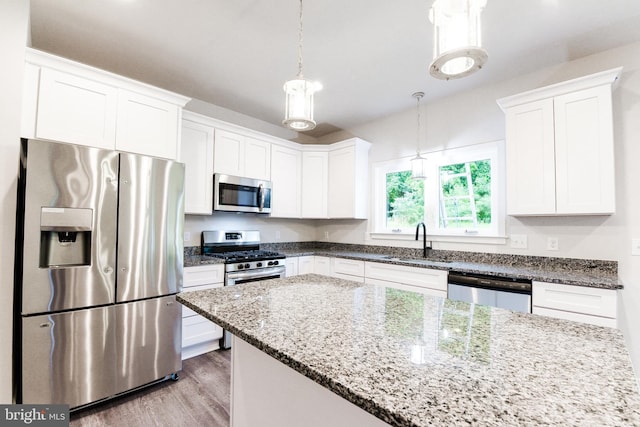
[{"x": 200, "y": 397}]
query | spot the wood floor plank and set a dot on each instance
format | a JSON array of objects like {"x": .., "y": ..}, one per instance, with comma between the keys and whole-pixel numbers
[{"x": 201, "y": 397}]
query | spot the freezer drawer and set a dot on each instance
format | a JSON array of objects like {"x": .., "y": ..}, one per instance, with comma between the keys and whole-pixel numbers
[
  {"x": 149, "y": 341},
  {"x": 69, "y": 357}
]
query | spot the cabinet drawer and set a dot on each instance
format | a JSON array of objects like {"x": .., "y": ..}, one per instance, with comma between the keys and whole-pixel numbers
[
  {"x": 186, "y": 312},
  {"x": 415, "y": 276},
  {"x": 348, "y": 266},
  {"x": 575, "y": 299},
  {"x": 197, "y": 329},
  {"x": 576, "y": 317},
  {"x": 203, "y": 275}
]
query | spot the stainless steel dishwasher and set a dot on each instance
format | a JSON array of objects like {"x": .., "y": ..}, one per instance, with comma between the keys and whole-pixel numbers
[{"x": 503, "y": 292}]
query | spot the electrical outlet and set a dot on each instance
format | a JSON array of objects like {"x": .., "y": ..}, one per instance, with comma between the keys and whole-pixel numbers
[
  {"x": 326, "y": 235},
  {"x": 635, "y": 247},
  {"x": 552, "y": 243},
  {"x": 278, "y": 235},
  {"x": 519, "y": 241},
  {"x": 187, "y": 236}
]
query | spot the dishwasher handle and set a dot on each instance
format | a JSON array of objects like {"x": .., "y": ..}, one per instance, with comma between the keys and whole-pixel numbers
[{"x": 493, "y": 283}]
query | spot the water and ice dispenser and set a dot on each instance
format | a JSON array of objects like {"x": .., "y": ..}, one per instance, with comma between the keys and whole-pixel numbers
[{"x": 65, "y": 237}]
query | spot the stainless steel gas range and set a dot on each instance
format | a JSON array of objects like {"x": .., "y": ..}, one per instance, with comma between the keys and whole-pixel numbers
[{"x": 244, "y": 260}]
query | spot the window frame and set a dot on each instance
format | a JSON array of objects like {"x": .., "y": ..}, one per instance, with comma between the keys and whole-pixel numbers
[{"x": 493, "y": 150}]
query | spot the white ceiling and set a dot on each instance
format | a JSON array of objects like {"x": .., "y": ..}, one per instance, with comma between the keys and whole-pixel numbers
[{"x": 370, "y": 55}]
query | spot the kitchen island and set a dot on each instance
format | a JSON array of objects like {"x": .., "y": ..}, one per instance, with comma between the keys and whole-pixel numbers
[{"x": 407, "y": 359}]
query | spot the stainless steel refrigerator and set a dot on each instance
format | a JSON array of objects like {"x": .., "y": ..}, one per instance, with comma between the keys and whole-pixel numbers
[{"x": 99, "y": 259}]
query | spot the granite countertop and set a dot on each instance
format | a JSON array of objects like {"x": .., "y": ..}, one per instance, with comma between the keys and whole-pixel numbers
[
  {"x": 579, "y": 272},
  {"x": 575, "y": 273},
  {"x": 416, "y": 360}
]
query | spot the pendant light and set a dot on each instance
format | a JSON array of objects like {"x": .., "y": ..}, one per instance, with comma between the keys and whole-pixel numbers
[
  {"x": 457, "y": 41},
  {"x": 299, "y": 95},
  {"x": 418, "y": 163}
]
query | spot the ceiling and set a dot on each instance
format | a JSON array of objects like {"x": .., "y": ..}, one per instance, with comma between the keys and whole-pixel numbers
[{"x": 370, "y": 56}]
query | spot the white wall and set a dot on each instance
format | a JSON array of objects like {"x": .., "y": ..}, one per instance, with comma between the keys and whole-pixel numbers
[
  {"x": 272, "y": 230},
  {"x": 14, "y": 18}
]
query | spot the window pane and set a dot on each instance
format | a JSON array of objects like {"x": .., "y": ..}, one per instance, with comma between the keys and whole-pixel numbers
[
  {"x": 405, "y": 200},
  {"x": 465, "y": 199}
]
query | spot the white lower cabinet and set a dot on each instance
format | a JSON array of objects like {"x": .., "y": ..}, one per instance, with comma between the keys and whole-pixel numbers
[
  {"x": 582, "y": 304},
  {"x": 322, "y": 265},
  {"x": 200, "y": 335},
  {"x": 417, "y": 279},
  {"x": 306, "y": 264},
  {"x": 348, "y": 269},
  {"x": 291, "y": 264}
]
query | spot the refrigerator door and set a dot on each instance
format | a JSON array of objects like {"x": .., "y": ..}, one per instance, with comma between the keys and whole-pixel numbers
[
  {"x": 149, "y": 341},
  {"x": 150, "y": 228},
  {"x": 69, "y": 358},
  {"x": 69, "y": 196}
]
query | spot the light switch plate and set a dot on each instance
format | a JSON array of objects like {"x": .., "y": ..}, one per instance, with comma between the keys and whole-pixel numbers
[
  {"x": 635, "y": 247},
  {"x": 519, "y": 241}
]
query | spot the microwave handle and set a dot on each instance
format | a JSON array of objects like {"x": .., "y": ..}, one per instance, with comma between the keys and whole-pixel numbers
[{"x": 260, "y": 198}]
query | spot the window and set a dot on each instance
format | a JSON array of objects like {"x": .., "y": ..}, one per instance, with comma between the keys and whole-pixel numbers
[{"x": 462, "y": 195}]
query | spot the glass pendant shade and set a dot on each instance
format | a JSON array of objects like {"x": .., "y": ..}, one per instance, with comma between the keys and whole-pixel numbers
[
  {"x": 418, "y": 167},
  {"x": 457, "y": 41},
  {"x": 299, "y": 104},
  {"x": 418, "y": 163}
]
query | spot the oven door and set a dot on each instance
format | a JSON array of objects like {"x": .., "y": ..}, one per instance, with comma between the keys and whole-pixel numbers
[{"x": 238, "y": 277}]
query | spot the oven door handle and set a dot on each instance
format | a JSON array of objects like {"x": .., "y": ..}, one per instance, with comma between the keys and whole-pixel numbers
[{"x": 235, "y": 275}]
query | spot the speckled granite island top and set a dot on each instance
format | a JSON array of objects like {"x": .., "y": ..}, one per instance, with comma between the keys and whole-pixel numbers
[{"x": 415, "y": 360}]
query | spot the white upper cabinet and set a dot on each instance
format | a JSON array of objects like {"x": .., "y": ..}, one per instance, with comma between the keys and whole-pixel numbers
[
  {"x": 315, "y": 183},
  {"x": 196, "y": 152},
  {"x": 559, "y": 150},
  {"x": 240, "y": 155},
  {"x": 147, "y": 125},
  {"x": 286, "y": 182},
  {"x": 348, "y": 179},
  {"x": 75, "y": 109},
  {"x": 71, "y": 102}
]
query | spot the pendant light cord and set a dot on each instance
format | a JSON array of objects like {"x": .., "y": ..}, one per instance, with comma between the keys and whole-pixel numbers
[{"x": 300, "y": 45}]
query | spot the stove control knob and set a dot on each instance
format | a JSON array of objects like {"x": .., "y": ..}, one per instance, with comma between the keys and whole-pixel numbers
[
  {"x": 247, "y": 266},
  {"x": 240, "y": 266},
  {"x": 259, "y": 264},
  {"x": 275, "y": 262}
]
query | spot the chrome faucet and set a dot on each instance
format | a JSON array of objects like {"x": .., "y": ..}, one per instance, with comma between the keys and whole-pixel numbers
[{"x": 424, "y": 238}]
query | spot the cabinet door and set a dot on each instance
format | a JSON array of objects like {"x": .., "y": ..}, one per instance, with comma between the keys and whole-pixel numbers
[
  {"x": 196, "y": 152},
  {"x": 341, "y": 183},
  {"x": 530, "y": 159},
  {"x": 584, "y": 152},
  {"x": 306, "y": 264},
  {"x": 76, "y": 110},
  {"x": 285, "y": 177},
  {"x": 315, "y": 182},
  {"x": 228, "y": 153},
  {"x": 147, "y": 125},
  {"x": 291, "y": 264},
  {"x": 322, "y": 265},
  {"x": 257, "y": 159}
]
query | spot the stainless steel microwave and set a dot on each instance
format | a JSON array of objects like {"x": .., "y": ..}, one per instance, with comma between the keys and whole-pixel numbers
[{"x": 237, "y": 194}]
